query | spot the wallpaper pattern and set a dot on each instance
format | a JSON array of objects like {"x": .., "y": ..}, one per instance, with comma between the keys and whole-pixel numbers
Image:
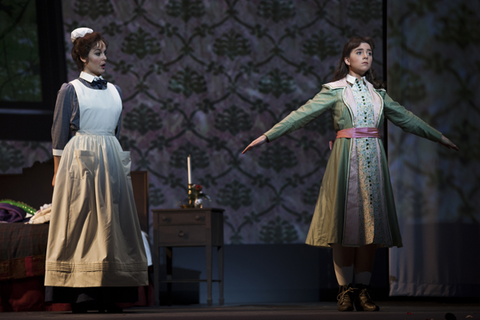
[
  {"x": 433, "y": 69},
  {"x": 207, "y": 77}
]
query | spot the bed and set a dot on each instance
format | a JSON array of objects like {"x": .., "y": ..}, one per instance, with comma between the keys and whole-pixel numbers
[{"x": 23, "y": 246}]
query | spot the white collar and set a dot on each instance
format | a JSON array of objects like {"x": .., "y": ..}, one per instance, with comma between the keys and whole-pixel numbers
[
  {"x": 351, "y": 79},
  {"x": 88, "y": 77}
]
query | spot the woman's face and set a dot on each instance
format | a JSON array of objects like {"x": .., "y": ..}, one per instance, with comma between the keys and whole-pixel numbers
[
  {"x": 360, "y": 60},
  {"x": 97, "y": 57}
]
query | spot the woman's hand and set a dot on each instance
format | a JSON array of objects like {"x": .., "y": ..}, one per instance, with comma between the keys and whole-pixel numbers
[
  {"x": 257, "y": 142},
  {"x": 447, "y": 143}
]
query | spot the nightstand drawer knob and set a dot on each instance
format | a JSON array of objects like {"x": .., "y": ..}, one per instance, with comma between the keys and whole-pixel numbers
[
  {"x": 181, "y": 234},
  {"x": 199, "y": 218},
  {"x": 166, "y": 219}
]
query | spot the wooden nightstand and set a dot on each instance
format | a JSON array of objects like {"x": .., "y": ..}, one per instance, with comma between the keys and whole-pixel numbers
[{"x": 188, "y": 228}]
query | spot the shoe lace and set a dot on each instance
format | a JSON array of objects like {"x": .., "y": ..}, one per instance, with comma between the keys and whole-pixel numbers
[{"x": 341, "y": 295}]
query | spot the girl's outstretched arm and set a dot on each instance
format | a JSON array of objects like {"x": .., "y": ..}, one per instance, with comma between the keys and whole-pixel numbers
[
  {"x": 257, "y": 142},
  {"x": 447, "y": 143}
]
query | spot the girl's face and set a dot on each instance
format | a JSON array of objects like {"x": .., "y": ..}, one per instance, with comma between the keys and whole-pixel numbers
[
  {"x": 360, "y": 60},
  {"x": 97, "y": 57}
]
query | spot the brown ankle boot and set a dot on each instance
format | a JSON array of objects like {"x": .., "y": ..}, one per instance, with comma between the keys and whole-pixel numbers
[
  {"x": 346, "y": 295},
  {"x": 363, "y": 301}
]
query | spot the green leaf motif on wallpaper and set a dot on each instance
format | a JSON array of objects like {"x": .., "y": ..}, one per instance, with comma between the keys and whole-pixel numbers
[
  {"x": 304, "y": 217},
  {"x": 460, "y": 26},
  {"x": 236, "y": 238},
  {"x": 249, "y": 68},
  {"x": 169, "y": 105},
  {"x": 156, "y": 196},
  {"x": 207, "y": 180},
  {"x": 277, "y": 10},
  {"x": 173, "y": 181},
  {"x": 365, "y": 10},
  {"x": 412, "y": 86},
  {"x": 126, "y": 143},
  {"x": 160, "y": 143},
  {"x": 199, "y": 158},
  {"x": 252, "y": 218},
  {"x": 217, "y": 144},
  {"x": 260, "y": 181},
  {"x": 10, "y": 157},
  {"x": 310, "y": 195},
  {"x": 232, "y": 45},
  {"x": 112, "y": 29},
  {"x": 422, "y": 7},
  {"x": 93, "y": 8},
  {"x": 188, "y": 81},
  {"x": 259, "y": 31},
  {"x": 123, "y": 67},
  {"x": 260, "y": 106},
  {"x": 322, "y": 125},
  {"x": 277, "y": 157},
  {"x": 436, "y": 62},
  {"x": 140, "y": 43},
  {"x": 159, "y": 67},
  {"x": 321, "y": 45},
  {"x": 278, "y": 231},
  {"x": 205, "y": 105},
  {"x": 234, "y": 195},
  {"x": 233, "y": 120},
  {"x": 142, "y": 119},
  {"x": 185, "y": 9},
  {"x": 203, "y": 30},
  {"x": 215, "y": 68},
  {"x": 277, "y": 83}
]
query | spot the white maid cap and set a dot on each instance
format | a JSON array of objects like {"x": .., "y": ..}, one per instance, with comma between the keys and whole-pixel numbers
[{"x": 79, "y": 33}]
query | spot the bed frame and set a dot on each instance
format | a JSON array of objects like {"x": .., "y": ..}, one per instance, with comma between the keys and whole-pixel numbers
[{"x": 22, "y": 271}]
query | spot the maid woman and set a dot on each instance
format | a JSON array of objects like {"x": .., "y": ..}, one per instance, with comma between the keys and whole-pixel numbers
[
  {"x": 355, "y": 211},
  {"x": 95, "y": 253}
]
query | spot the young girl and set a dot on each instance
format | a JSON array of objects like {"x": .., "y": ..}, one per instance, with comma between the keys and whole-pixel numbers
[
  {"x": 95, "y": 253},
  {"x": 355, "y": 211}
]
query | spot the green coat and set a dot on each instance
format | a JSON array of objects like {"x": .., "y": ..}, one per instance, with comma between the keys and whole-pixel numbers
[{"x": 337, "y": 203}]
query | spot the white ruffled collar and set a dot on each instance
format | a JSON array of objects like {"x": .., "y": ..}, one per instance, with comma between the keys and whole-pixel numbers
[{"x": 88, "y": 77}]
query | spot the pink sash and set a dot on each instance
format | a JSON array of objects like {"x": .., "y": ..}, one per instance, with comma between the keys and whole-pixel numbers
[{"x": 356, "y": 133}]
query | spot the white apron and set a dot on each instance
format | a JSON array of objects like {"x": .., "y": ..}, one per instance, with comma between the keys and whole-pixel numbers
[{"x": 94, "y": 238}]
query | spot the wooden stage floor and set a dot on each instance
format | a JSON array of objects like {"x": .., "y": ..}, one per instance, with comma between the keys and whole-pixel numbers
[{"x": 401, "y": 310}]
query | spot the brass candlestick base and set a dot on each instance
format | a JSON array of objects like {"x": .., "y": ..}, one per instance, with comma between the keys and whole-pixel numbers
[{"x": 191, "y": 196}]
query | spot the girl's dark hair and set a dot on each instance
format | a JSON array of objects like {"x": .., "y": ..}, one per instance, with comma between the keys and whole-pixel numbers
[
  {"x": 83, "y": 45},
  {"x": 342, "y": 68}
]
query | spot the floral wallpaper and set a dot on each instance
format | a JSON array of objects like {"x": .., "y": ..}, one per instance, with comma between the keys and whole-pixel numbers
[
  {"x": 205, "y": 78},
  {"x": 433, "y": 69}
]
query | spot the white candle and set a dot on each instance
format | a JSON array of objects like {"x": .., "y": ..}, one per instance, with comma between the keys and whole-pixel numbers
[{"x": 189, "y": 170}]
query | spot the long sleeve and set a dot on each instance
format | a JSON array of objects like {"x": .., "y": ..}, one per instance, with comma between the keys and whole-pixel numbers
[
  {"x": 407, "y": 121},
  {"x": 65, "y": 118},
  {"x": 299, "y": 118}
]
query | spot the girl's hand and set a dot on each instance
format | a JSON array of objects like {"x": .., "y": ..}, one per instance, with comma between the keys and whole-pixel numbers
[
  {"x": 257, "y": 142},
  {"x": 447, "y": 143}
]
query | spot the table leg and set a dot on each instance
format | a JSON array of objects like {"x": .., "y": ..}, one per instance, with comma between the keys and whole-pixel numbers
[
  {"x": 209, "y": 274},
  {"x": 168, "y": 265},
  {"x": 156, "y": 274},
  {"x": 220, "y": 274}
]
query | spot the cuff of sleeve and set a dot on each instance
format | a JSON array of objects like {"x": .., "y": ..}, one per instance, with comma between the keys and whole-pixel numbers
[
  {"x": 57, "y": 152},
  {"x": 268, "y": 140}
]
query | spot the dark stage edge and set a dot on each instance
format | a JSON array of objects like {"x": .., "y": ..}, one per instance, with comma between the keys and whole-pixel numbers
[{"x": 323, "y": 310}]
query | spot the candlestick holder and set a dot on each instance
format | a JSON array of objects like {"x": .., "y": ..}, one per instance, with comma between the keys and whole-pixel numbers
[{"x": 191, "y": 195}]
